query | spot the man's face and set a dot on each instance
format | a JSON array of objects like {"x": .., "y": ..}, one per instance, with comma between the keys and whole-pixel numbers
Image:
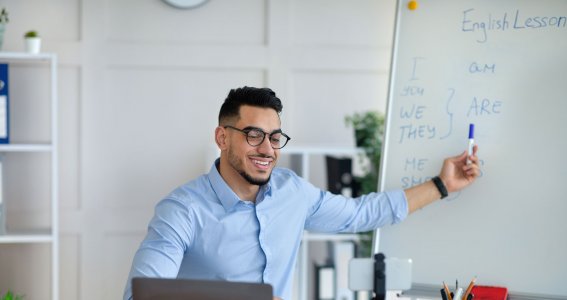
[{"x": 254, "y": 164}]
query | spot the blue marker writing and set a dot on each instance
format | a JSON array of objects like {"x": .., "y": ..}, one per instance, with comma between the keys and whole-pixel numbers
[{"x": 471, "y": 142}]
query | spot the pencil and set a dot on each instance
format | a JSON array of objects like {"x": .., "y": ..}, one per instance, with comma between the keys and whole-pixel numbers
[
  {"x": 469, "y": 289},
  {"x": 447, "y": 291}
]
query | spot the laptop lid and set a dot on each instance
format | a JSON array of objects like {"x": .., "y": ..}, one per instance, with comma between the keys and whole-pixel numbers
[{"x": 189, "y": 289}]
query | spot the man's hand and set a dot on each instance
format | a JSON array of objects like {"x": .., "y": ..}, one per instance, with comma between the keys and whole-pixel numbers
[{"x": 457, "y": 174}]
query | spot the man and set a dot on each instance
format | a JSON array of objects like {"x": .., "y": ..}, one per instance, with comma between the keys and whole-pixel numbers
[{"x": 243, "y": 221}]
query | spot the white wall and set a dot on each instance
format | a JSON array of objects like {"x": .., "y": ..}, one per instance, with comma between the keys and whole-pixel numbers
[{"x": 140, "y": 86}]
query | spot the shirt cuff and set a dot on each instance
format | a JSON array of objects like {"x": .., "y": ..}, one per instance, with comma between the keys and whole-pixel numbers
[{"x": 399, "y": 205}]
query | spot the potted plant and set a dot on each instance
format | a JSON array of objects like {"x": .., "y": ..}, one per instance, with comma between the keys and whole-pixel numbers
[
  {"x": 369, "y": 134},
  {"x": 3, "y": 21},
  {"x": 33, "y": 42},
  {"x": 11, "y": 296}
]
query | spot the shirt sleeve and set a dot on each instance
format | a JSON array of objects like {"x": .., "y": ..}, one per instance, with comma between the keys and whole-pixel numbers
[
  {"x": 161, "y": 252},
  {"x": 332, "y": 213}
]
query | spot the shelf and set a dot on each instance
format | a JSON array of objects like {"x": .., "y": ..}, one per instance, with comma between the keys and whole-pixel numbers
[
  {"x": 330, "y": 237},
  {"x": 321, "y": 149},
  {"x": 25, "y": 56},
  {"x": 47, "y": 236},
  {"x": 31, "y": 236},
  {"x": 26, "y": 147}
]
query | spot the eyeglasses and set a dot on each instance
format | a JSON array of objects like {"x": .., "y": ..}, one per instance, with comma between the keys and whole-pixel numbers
[{"x": 255, "y": 136}]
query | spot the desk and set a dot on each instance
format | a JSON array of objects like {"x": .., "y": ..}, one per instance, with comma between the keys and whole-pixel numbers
[{"x": 399, "y": 295}]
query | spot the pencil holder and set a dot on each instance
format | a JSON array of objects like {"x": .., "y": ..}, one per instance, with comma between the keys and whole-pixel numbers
[
  {"x": 469, "y": 297},
  {"x": 444, "y": 296}
]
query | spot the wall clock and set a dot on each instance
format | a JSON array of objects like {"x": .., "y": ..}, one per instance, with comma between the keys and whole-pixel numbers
[{"x": 185, "y": 3}]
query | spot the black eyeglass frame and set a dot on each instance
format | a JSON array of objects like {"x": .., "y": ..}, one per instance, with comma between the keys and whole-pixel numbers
[{"x": 247, "y": 130}]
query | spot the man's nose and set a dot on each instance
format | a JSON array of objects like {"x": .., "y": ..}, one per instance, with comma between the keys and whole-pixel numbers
[{"x": 266, "y": 147}]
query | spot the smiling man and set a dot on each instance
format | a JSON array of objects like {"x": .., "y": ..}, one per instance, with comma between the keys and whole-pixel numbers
[
  {"x": 251, "y": 139},
  {"x": 243, "y": 221}
]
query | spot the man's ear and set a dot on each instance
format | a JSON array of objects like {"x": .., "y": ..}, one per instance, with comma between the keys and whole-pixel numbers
[{"x": 220, "y": 138}]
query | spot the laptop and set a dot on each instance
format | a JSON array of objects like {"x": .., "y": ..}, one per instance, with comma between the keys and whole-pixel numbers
[{"x": 189, "y": 289}]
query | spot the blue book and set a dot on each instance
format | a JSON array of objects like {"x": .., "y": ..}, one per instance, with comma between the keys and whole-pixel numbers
[{"x": 4, "y": 106}]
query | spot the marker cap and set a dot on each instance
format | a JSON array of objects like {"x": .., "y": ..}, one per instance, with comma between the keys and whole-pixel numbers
[{"x": 471, "y": 131}]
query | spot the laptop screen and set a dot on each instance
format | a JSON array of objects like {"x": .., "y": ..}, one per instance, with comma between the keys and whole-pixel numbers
[{"x": 188, "y": 289}]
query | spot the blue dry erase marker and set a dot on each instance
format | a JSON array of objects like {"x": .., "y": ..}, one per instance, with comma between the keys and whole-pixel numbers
[{"x": 471, "y": 142}]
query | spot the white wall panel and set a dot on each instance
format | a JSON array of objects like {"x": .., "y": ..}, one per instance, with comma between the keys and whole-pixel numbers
[
  {"x": 224, "y": 22},
  {"x": 343, "y": 23},
  {"x": 157, "y": 121},
  {"x": 323, "y": 99},
  {"x": 70, "y": 254},
  {"x": 69, "y": 135},
  {"x": 117, "y": 252},
  {"x": 183, "y": 56}
]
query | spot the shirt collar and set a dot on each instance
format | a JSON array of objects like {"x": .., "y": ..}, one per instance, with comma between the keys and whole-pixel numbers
[{"x": 226, "y": 196}]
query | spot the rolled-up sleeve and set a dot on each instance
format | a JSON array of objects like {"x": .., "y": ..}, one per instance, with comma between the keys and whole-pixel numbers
[{"x": 335, "y": 213}]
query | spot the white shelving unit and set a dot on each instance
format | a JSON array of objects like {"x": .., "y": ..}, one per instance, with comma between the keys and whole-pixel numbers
[
  {"x": 305, "y": 154},
  {"x": 50, "y": 235}
]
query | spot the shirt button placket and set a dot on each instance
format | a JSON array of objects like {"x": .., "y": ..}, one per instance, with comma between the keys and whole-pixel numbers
[{"x": 267, "y": 253}]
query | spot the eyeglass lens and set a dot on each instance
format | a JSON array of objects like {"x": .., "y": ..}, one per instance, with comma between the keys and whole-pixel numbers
[{"x": 255, "y": 137}]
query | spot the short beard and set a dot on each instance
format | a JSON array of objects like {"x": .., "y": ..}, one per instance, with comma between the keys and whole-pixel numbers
[
  {"x": 252, "y": 180},
  {"x": 236, "y": 165}
]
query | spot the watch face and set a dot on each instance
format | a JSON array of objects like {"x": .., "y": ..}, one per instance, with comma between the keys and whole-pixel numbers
[{"x": 185, "y": 3}]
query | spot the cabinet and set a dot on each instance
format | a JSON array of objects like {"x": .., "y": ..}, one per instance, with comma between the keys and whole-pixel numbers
[
  {"x": 300, "y": 159},
  {"x": 30, "y": 207}
]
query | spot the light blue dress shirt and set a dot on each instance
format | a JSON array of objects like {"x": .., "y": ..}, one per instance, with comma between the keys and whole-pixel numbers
[{"x": 202, "y": 230}]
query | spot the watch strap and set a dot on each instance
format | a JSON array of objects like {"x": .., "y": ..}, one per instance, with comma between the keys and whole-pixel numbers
[{"x": 440, "y": 186}]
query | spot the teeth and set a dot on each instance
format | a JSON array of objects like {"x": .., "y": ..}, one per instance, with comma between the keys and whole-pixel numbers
[{"x": 263, "y": 163}]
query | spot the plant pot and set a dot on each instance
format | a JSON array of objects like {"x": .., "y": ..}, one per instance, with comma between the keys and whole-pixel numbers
[{"x": 33, "y": 45}]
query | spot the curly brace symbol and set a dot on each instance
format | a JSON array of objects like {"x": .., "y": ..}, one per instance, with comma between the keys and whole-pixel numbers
[{"x": 451, "y": 94}]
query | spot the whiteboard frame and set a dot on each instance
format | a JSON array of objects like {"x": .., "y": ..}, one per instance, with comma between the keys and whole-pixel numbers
[{"x": 384, "y": 153}]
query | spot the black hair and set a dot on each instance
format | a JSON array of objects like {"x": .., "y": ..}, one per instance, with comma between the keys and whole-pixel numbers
[{"x": 258, "y": 97}]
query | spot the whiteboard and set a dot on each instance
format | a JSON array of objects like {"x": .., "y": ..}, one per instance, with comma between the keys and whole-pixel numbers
[{"x": 501, "y": 65}]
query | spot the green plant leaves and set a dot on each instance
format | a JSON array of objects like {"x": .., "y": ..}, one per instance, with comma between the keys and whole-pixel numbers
[
  {"x": 11, "y": 296},
  {"x": 369, "y": 134}
]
